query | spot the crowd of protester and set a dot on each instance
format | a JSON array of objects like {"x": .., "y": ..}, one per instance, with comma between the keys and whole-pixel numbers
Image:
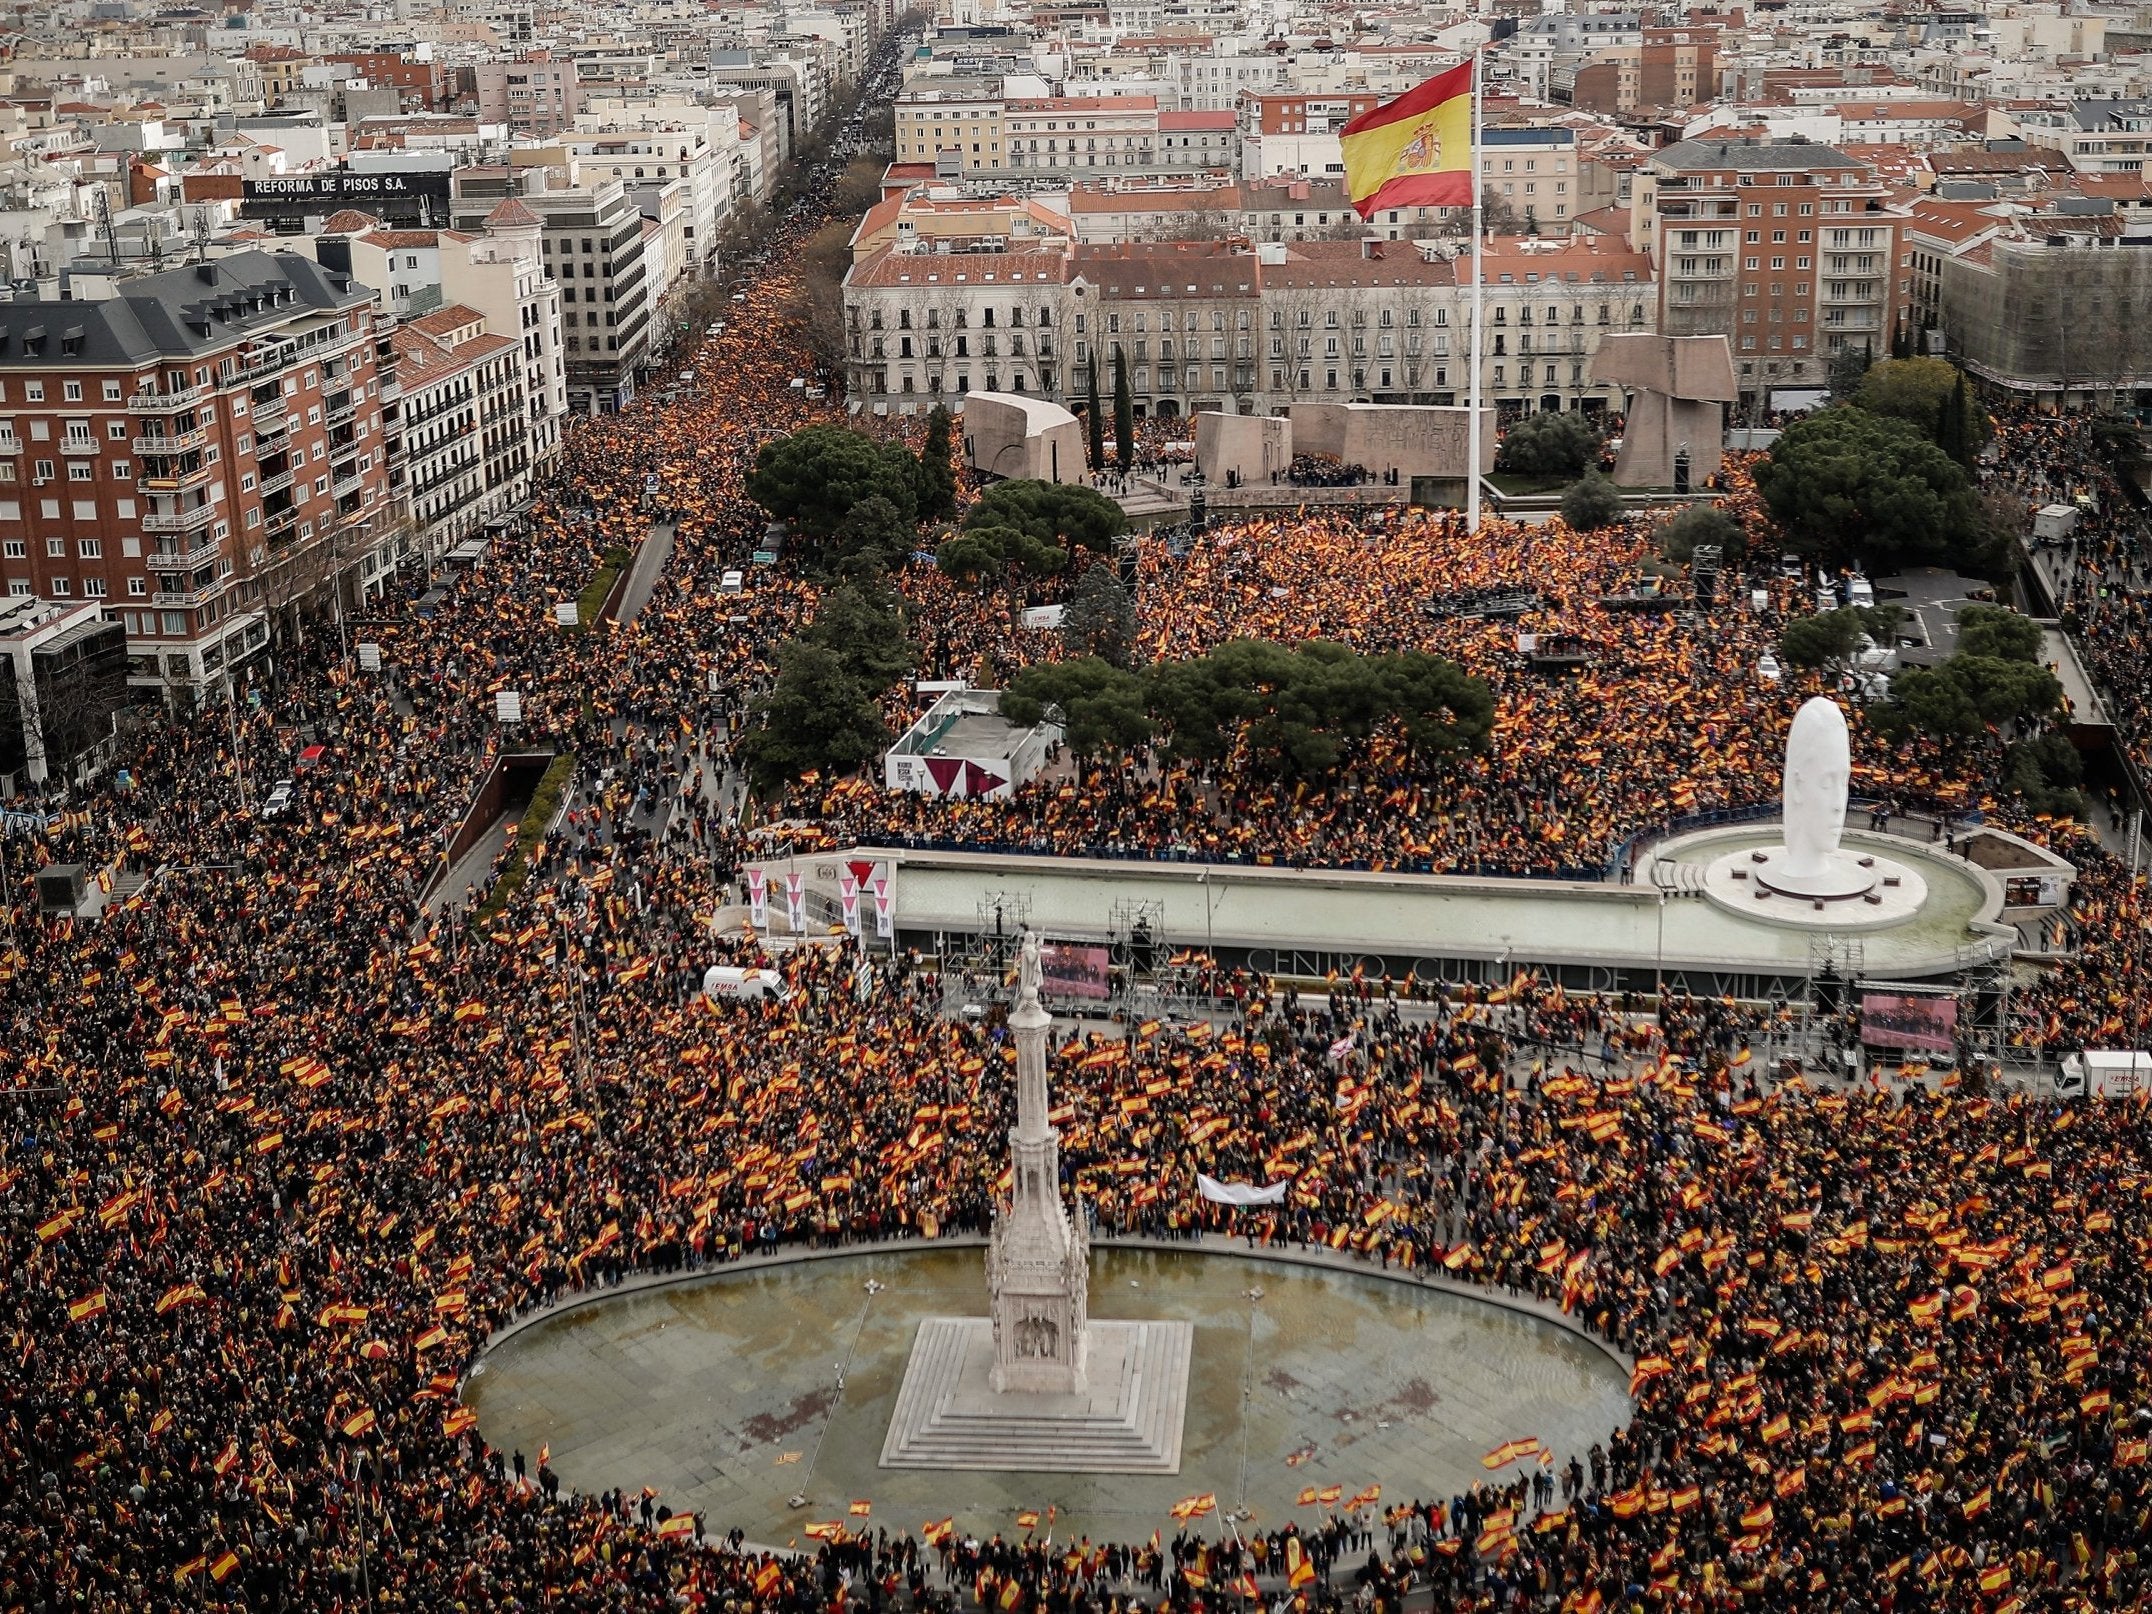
[{"x": 282, "y": 1147}]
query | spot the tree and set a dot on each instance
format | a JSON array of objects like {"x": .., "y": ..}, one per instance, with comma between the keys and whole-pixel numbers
[
  {"x": 1439, "y": 707},
  {"x": 1901, "y": 340},
  {"x": 1932, "y": 394},
  {"x": 1549, "y": 444},
  {"x": 988, "y": 554},
  {"x": 1825, "y": 639},
  {"x": 1124, "y": 412},
  {"x": 1591, "y": 502},
  {"x": 1997, "y": 632},
  {"x": 1845, "y": 485},
  {"x": 873, "y": 530},
  {"x": 816, "y": 718},
  {"x": 1094, "y": 422},
  {"x": 818, "y": 300},
  {"x": 1101, "y": 706},
  {"x": 937, "y": 475},
  {"x": 2046, "y": 771},
  {"x": 862, "y": 625},
  {"x": 1062, "y": 513},
  {"x": 859, "y": 187},
  {"x": 1100, "y": 619},
  {"x": 814, "y": 477},
  {"x": 1703, "y": 524},
  {"x": 1966, "y": 695},
  {"x": 1848, "y": 365}
]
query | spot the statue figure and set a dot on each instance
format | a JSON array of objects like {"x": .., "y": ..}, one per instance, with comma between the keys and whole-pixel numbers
[
  {"x": 1028, "y": 969},
  {"x": 1819, "y": 766}
]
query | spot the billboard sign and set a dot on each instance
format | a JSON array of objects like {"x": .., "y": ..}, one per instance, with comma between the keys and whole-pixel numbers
[
  {"x": 1904, "y": 1020},
  {"x": 330, "y": 189},
  {"x": 1071, "y": 971}
]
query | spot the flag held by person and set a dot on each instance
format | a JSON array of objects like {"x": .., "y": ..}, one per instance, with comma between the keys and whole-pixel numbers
[{"x": 1415, "y": 151}]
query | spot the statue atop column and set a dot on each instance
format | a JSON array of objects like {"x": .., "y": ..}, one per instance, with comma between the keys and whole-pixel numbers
[{"x": 1038, "y": 1260}]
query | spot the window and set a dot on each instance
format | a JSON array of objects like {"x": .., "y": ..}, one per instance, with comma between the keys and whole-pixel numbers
[
  {"x": 71, "y": 391},
  {"x": 91, "y": 548},
  {"x": 34, "y": 391},
  {"x": 116, "y": 430},
  {"x": 81, "y": 471},
  {"x": 137, "y": 587},
  {"x": 112, "y": 392}
]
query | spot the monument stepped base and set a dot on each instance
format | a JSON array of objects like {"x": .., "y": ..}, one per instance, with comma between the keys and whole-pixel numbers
[{"x": 1128, "y": 1422}]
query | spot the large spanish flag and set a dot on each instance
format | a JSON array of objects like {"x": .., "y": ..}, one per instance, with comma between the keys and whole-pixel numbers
[{"x": 1415, "y": 151}]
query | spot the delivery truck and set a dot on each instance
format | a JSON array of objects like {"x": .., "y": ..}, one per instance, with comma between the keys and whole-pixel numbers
[
  {"x": 2105, "y": 1073},
  {"x": 723, "y": 983}
]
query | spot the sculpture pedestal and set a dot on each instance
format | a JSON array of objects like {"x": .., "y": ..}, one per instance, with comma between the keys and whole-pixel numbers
[
  {"x": 1127, "y": 1420},
  {"x": 1856, "y": 889}
]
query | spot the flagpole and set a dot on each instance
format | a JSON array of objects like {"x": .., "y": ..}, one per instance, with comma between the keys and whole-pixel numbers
[{"x": 1472, "y": 396}]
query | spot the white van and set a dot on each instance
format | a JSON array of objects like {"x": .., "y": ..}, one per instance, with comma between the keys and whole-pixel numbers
[
  {"x": 1859, "y": 591},
  {"x": 725, "y": 983},
  {"x": 2105, "y": 1073},
  {"x": 733, "y": 582}
]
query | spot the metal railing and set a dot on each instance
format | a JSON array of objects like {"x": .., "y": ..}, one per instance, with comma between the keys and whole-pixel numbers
[
  {"x": 182, "y": 560},
  {"x": 146, "y": 403},
  {"x": 172, "y": 442},
  {"x": 179, "y": 520}
]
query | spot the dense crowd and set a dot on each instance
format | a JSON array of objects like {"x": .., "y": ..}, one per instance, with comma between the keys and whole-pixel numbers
[{"x": 282, "y": 1147}]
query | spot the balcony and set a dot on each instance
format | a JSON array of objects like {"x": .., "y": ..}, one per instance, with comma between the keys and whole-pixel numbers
[
  {"x": 270, "y": 420},
  {"x": 172, "y": 442},
  {"x": 181, "y": 520},
  {"x": 184, "y": 599},
  {"x": 345, "y": 487},
  {"x": 335, "y": 414},
  {"x": 277, "y": 482},
  {"x": 81, "y": 447},
  {"x": 283, "y": 521},
  {"x": 165, "y": 403},
  {"x": 177, "y": 482},
  {"x": 176, "y": 560},
  {"x": 10, "y": 443}
]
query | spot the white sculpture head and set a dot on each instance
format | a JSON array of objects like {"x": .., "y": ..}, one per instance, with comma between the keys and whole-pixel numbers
[{"x": 1819, "y": 765}]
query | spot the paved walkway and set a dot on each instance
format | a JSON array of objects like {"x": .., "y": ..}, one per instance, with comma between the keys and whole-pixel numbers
[{"x": 650, "y": 558}]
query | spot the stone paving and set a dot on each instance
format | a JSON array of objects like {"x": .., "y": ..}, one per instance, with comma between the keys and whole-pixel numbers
[{"x": 735, "y": 1392}]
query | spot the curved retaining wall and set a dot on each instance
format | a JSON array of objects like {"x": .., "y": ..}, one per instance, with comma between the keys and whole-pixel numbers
[{"x": 1209, "y": 1244}]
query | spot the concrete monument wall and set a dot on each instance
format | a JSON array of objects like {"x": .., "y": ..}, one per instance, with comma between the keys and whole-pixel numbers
[
  {"x": 1410, "y": 439},
  {"x": 1678, "y": 387},
  {"x": 1010, "y": 434},
  {"x": 1249, "y": 446}
]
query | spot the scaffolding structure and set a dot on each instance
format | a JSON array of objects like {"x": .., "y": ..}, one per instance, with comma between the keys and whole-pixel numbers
[
  {"x": 977, "y": 969},
  {"x": 1147, "y": 984},
  {"x": 1833, "y": 974}
]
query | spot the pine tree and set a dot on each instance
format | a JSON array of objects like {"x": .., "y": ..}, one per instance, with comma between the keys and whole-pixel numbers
[
  {"x": 1094, "y": 419},
  {"x": 1901, "y": 340},
  {"x": 937, "y": 477},
  {"x": 1124, "y": 412}
]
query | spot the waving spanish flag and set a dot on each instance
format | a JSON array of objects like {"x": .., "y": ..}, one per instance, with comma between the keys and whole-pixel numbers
[{"x": 1415, "y": 151}]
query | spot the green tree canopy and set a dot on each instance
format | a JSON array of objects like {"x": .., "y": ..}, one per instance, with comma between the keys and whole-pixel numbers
[
  {"x": 1059, "y": 513},
  {"x": 862, "y": 625},
  {"x": 1924, "y": 393},
  {"x": 814, "y": 477},
  {"x": 1102, "y": 707},
  {"x": 1549, "y": 444},
  {"x": 1847, "y": 486},
  {"x": 1100, "y": 620},
  {"x": 873, "y": 530},
  {"x": 1821, "y": 640},
  {"x": 818, "y": 717},
  {"x": 1966, "y": 695},
  {"x": 983, "y": 556},
  {"x": 1993, "y": 630},
  {"x": 1703, "y": 524},
  {"x": 937, "y": 474},
  {"x": 1591, "y": 502}
]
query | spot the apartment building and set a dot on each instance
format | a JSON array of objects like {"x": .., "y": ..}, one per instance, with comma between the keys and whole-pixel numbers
[
  {"x": 1667, "y": 69},
  {"x": 648, "y": 155},
  {"x": 957, "y": 124},
  {"x": 591, "y": 245},
  {"x": 533, "y": 95},
  {"x": 1789, "y": 249},
  {"x": 200, "y": 451},
  {"x": 503, "y": 275},
  {"x": 1218, "y": 324},
  {"x": 460, "y": 439}
]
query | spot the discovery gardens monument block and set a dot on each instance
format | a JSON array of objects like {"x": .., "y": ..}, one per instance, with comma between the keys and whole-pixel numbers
[{"x": 1036, "y": 1385}]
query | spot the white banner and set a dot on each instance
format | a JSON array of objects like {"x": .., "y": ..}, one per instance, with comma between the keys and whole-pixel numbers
[
  {"x": 796, "y": 901},
  {"x": 758, "y": 899},
  {"x": 848, "y": 895},
  {"x": 885, "y": 908},
  {"x": 1240, "y": 1193}
]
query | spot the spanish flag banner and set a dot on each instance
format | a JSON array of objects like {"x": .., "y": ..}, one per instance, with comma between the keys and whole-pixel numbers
[{"x": 1415, "y": 151}]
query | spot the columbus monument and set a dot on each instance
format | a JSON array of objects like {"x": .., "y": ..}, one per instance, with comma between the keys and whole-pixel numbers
[{"x": 1037, "y": 1385}]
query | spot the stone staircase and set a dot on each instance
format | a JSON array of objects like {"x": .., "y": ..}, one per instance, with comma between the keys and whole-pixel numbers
[{"x": 1128, "y": 1422}]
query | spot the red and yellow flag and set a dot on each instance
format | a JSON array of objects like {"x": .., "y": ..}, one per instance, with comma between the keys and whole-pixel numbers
[{"x": 1415, "y": 151}]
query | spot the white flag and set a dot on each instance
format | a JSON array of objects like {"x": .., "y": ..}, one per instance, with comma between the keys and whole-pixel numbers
[{"x": 1240, "y": 1193}]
